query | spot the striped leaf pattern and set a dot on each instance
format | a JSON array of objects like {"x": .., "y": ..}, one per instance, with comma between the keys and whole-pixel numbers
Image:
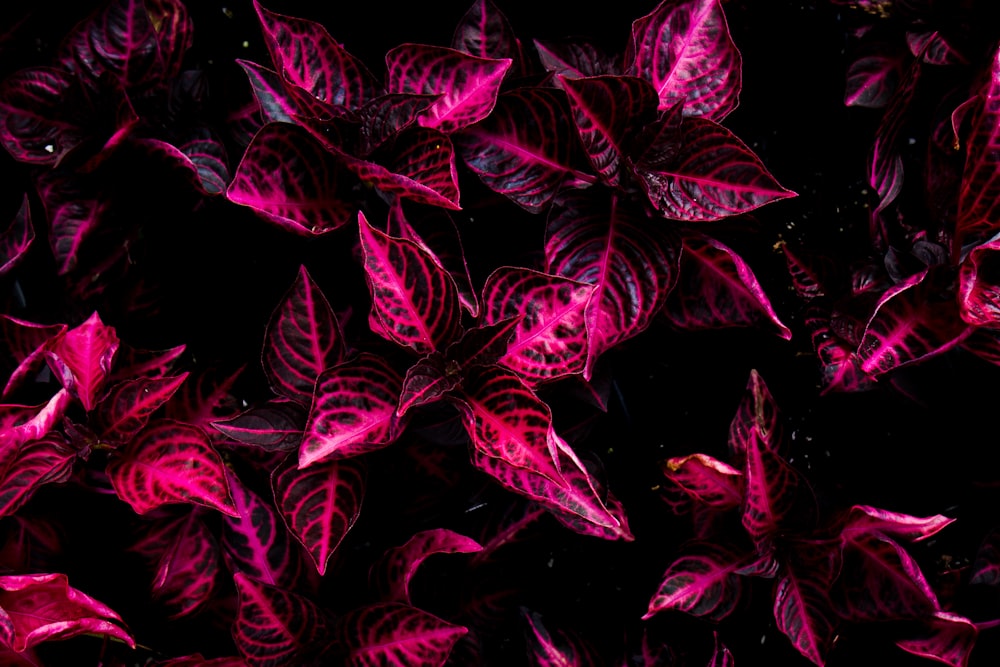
[
  {"x": 273, "y": 626},
  {"x": 397, "y": 635}
]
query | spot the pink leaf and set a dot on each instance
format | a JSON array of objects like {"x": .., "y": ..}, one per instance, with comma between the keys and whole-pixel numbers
[
  {"x": 550, "y": 339},
  {"x": 758, "y": 416},
  {"x": 288, "y": 178},
  {"x": 882, "y": 582},
  {"x": 16, "y": 238},
  {"x": 865, "y": 519},
  {"x": 977, "y": 200},
  {"x": 26, "y": 467},
  {"x": 684, "y": 49},
  {"x": 484, "y": 31},
  {"x": 978, "y": 294},
  {"x": 556, "y": 648},
  {"x": 74, "y": 211},
  {"x": 945, "y": 637},
  {"x": 277, "y": 425},
  {"x": 35, "y": 127},
  {"x": 705, "y": 480},
  {"x": 320, "y": 504},
  {"x": 130, "y": 404},
  {"x": 802, "y": 607},
  {"x": 871, "y": 80},
  {"x": 132, "y": 364},
  {"x": 630, "y": 261},
  {"x": 468, "y": 85},
  {"x": 303, "y": 339},
  {"x": 171, "y": 462},
  {"x": 772, "y": 488},
  {"x": 274, "y": 626},
  {"x": 82, "y": 357},
  {"x": 21, "y": 424},
  {"x": 396, "y": 635},
  {"x": 413, "y": 297},
  {"x": 704, "y": 582},
  {"x": 354, "y": 410},
  {"x": 39, "y": 607},
  {"x": 398, "y": 565},
  {"x": 26, "y": 342}
]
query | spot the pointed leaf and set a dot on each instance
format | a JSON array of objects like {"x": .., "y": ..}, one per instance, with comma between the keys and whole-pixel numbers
[
  {"x": 569, "y": 59},
  {"x": 418, "y": 164},
  {"x": 303, "y": 339},
  {"x": 684, "y": 49},
  {"x": 205, "y": 398},
  {"x": 386, "y": 116},
  {"x": 713, "y": 176},
  {"x": 74, "y": 210},
  {"x": 871, "y": 80},
  {"x": 277, "y": 425},
  {"x": 717, "y": 289},
  {"x": 630, "y": 261},
  {"x": 978, "y": 215},
  {"x": 82, "y": 357},
  {"x": 35, "y": 126},
  {"x": 21, "y": 424},
  {"x": 413, "y": 297},
  {"x": 273, "y": 626},
  {"x": 704, "y": 582},
  {"x": 865, "y": 519},
  {"x": 758, "y": 412},
  {"x": 468, "y": 85},
  {"x": 705, "y": 480},
  {"x": 881, "y": 581},
  {"x": 16, "y": 239},
  {"x": 885, "y": 166},
  {"x": 396, "y": 635},
  {"x": 946, "y": 637},
  {"x": 550, "y": 339},
  {"x": 174, "y": 32},
  {"x": 978, "y": 294},
  {"x": 398, "y": 565},
  {"x": 555, "y": 648},
  {"x": 428, "y": 381},
  {"x": 802, "y": 609},
  {"x": 772, "y": 487},
  {"x": 26, "y": 343},
  {"x": 26, "y": 467},
  {"x": 319, "y": 504},
  {"x": 131, "y": 363},
  {"x": 130, "y": 404},
  {"x": 275, "y": 101},
  {"x": 526, "y": 149},
  {"x": 354, "y": 410},
  {"x": 171, "y": 462},
  {"x": 484, "y": 31},
  {"x": 38, "y": 607}
]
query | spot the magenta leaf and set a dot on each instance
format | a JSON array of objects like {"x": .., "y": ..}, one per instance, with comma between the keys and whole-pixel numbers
[
  {"x": 74, "y": 212},
  {"x": 256, "y": 541},
  {"x": 354, "y": 410},
  {"x": 205, "y": 398},
  {"x": 555, "y": 648},
  {"x": 303, "y": 339},
  {"x": 82, "y": 357},
  {"x": 396, "y": 635},
  {"x": 398, "y": 565},
  {"x": 171, "y": 462},
  {"x": 772, "y": 488},
  {"x": 131, "y": 363},
  {"x": 945, "y": 637},
  {"x": 721, "y": 655},
  {"x": 630, "y": 261},
  {"x": 427, "y": 381},
  {"x": 881, "y": 581},
  {"x": 910, "y": 323},
  {"x": 811, "y": 274},
  {"x": 865, "y": 519},
  {"x": 277, "y": 425},
  {"x": 414, "y": 299},
  {"x": 174, "y": 32},
  {"x": 275, "y": 102},
  {"x": 840, "y": 368},
  {"x": 550, "y": 339},
  {"x": 273, "y": 626},
  {"x": 289, "y": 179},
  {"x": 885, "y": 166},
  {"x": 607, "y": 112},
  {"x": 757, "y": 415},
  {"x": 713, "y": 176},
  {"x": 569, "y": 59},
  {"x": 684, "y": 49},
  {"x": 16, "y": 238},
  {"x": 978, "y": 295},
  {"x": 704, "y": 582},
  {"x": 319, "y": 504},
  {"x": 977, "y": 199},
  {"x": 717, "y": 289},
  {"x": 802, "y": 608},
  {"x": 26, "y": 467},
  {"x": 986, "y": 567},
  {"x": 308, "y": 57},
  {"x": 484, "y": 31},
  {"x": 26, "y": 343},
  {"x": 38, "y": 607},
  {"x": 129, "y": 405},
  {"x": 387, "y": 115},
  {"x": 35, "y": 127},
  {"x": 871, "y": 80},
  {"x": 203, "y": 156},
  {"x": 186, "y": 557},
  {"x": 526, "y": 149},
  {"x": 419, "y": 164},
  {"x": 468, "y": 85},
  {"x": 20, "y": 424},
  {"x": 706, "y": 480}
]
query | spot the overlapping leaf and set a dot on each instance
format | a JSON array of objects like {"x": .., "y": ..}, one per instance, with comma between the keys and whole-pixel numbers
[
  {"x": 756, "y": 416},
  {"x": 871, "y": 80},
  {"x": 132, "y": 363},
  {"x": 82, "y": 357},
  {"x": 24, "y": 468},
  {"x": 273, "y": 626},
  {"x": 802, "y": 608},
  {"x": 572, "y": 59},
  {"x": 129, "y": 405},
  {"x": 26, "y": 344},
  {"x": 630, "y": 261},
  {"x": 277, "y": 425},
  {"x": 882, "y": 582},
  {"x": 866, "y": 519},
  {"x": 684, "y": 49},
  {"x": 554, "y": 647},
  {"x": 20, "y": 424},
  {"x": 171, "y": 462},
  {"x": 74, "y": 210},
  {"x": 772, "y": 489},
  {"x": 34, "y": 126},
  {"x": 354, "y": 410},
  {"x": 16, "y": 238},
  {"x": 706, "y": 480},
  {"x": 398, "y": 565},
  {"x": 946, "y": 637},
  {"x": 485, "y": 32},
  {"x": 978, "y": 295},
  {"x": 396, "y": 635},
  {"x": 977, "y": 200},
  {"x": 704, "y": 582},
  {"x": 320, "y": 503}
]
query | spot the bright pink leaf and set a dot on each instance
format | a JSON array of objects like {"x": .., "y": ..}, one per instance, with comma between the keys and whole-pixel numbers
[
  {"x": 871, "y": 80},
  {"x": 945, "y": 637},
  {"x": 554, "y": 647},
  {"x": 130, "y": 404},
  {"x": 772, "y": 488},
  {"x": 398, "y": 565},
  {"x": 880, "y": 581},
  {"x": 82, "y": 357},
  {"x": 865, "y": 519},
  {"x": 706, "y": 480},
  {"x": 978, "y": 197},
  {"x": 484, "y": 31},
  {"x": 396, "y": 635},
  {"x": 704, "y": 582},
  {"x": 20, "y": 424},
  {"x": 802, "y": 607},
  {"x": 757, "y": 412},
  {"x": 979, "y": 295},
  {"x": 26, "y": 343},
  {"x": 26, "y": 467}
]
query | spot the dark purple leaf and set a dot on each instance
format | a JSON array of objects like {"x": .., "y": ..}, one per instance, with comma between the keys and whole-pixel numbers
[
  {"x": 303, "y": 339},
  {"x": 880, "y": 581},
  {"x": 26, "y": 467},
  {"x": 555, "y": 648},
  {"x": 757, "y": 415},
  {"x": 885, "y": 166},
  {"x": 26, "y": 343},
  {"x": 171, "y": 462},
  {"x": 608, "y": 111},
  {"x": 986, "y": 567},
  {"x": 414, "y": 299},
  {"x": 468, "y": 85},
  {"x": 35, "y": 125},
  {"x": 398, "y": 565},
  {"x": 38, "y": 607},
  {"x": 713, "y": 176},
  {"x": 704, "y": 582},
  {"x": 911, "y": 321},
  {"x": 812, "y": 275},
  {"x": 185, "y": 554},
  {"x": 978, "y": 294},
  {"x": 289, "y": 179},
  {"x": 131, "y": 363},
  {"x": 396, "y": 635},
  {"x": 721, "y": 655},
  {"x": 933, "y": 48},
  {"x": 802, "y": 607},
  {"x": 205, "y": 398},
  {"x": 197, "y": 660},
  {"x": 772, "y": 488},
  {"x": 418, "y": 164},
  {"x": 569, "y": 59},
  {"x": 863, "y": 519},
  {"x": 427, "y": 381},
  {"x": 82, "y": 357},
  {"x": 354, "y": 410},
  {"x": 74, "y": 210},
  {"x": 840, "y": 368},
  {"x": 16, "y": 238},
  {"x": 277, "y": 425},
  {"x": 705, "y": 480},
  {"x": 202, "y": 154},
  {"x": 684, "y": 49},
  {"x": 526, "y": 149},
  {"x": 717, "y": 289},
  {"x": 274, "y": 626},
  {"x": 256, "y": 541},
  {"x": 130, "y": 404},
  {"x": 550, "y": 338},
  {"x": 484, "y": 31},
  {"x": 630, "y": 261},
  {"x": 274, "y": 101},
  {"x": 387, "y": 115},
  {"x": 319, "y": 504},
  {"x": 871, "y": 80},
  {"x": 946, "y": 637},
  {"x": 174, "y": 32}
]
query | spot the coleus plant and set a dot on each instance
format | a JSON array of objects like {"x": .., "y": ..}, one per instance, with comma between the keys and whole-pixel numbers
[{"x": 406, "y": 381}]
